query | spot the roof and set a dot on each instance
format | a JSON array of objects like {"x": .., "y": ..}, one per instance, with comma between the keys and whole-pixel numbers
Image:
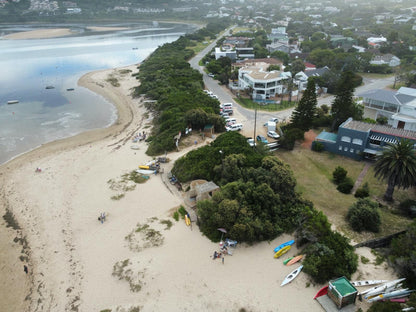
[
  {"x": 343, "y": 286},
  {"x": 206, "y": 187},
  {"x": 316, "y": 72},
  {"x": 388, "y": 96},
  {"x": 380, "y": 129}
]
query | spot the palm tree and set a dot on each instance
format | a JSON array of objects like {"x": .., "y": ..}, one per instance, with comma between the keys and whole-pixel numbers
[{"x": 397, "y": 165}]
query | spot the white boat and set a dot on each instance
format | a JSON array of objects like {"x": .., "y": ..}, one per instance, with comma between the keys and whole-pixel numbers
[
  {"x": 399, "y": 293},
  {"x": 292, "y": 276},
  {"x": 135, "y": 147},
  {"x": 367, "y": 283},
  {"x": 13, "y": 102},
  {"x": 377, "y": 290},
  {"x": 145, "y": 171}
]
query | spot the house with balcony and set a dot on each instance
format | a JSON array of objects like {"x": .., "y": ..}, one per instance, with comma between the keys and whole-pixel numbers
[
  {"x": 399, "y": 107},
  {"x": 360, "y": 140},
  {"x": 264, "y": 84}
]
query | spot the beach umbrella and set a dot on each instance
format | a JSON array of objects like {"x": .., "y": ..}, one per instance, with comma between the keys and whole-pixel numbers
[{"x": 222, "y": 232}]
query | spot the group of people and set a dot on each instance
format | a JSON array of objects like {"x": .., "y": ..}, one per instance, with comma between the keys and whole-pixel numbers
[
  {"x": 220, "y": 254},
  {"x": 139, "y": 137}
]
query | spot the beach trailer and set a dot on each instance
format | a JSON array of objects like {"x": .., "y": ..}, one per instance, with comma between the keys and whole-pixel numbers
[{"x": 342, "y": 292}]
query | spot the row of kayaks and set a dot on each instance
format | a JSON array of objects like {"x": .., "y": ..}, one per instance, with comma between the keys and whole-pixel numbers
[{"x": 281, "y": 250}]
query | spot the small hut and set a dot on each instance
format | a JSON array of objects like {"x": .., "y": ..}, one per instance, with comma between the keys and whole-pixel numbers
[
  {"x": 209, "y": 131},
  {"x": 342, "y": 292}
]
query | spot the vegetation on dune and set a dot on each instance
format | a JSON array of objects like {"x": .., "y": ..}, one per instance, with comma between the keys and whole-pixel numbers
[{"x": 167, "y": 77}]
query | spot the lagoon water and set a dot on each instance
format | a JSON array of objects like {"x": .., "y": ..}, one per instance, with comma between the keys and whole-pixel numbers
[{"x": 29, "y": 66}]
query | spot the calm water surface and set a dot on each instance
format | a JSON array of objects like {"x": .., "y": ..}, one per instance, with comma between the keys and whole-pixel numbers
[{"x": 29, "y": 66}]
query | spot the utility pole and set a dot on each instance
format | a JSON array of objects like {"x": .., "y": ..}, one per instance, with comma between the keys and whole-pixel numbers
[{"x": 255, "y": 125}]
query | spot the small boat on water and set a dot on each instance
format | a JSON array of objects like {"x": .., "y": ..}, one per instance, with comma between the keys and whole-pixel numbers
[
  {"x": 70, "y": 89},
  {"x": 288, "y": 243},
  {"x": 367, "y": 283},
  {"x": 323, "y": 291},
  {"x": 291, "y": 276},
  {"x": 13, "y": 102},
  {"x": 282, "y": 251},
  {"x": 294, "y": 260},
  {"x": 49, "y": 87}
]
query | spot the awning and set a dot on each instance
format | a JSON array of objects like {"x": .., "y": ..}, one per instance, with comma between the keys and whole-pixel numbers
[
  {"x": 384, "y": 139},
  {"x": 371, "y": 151}
]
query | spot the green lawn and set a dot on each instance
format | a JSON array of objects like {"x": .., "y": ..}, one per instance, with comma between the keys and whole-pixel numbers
[
  {"x": 313, "y": 172},
  {"x": 248, "y": 103}
]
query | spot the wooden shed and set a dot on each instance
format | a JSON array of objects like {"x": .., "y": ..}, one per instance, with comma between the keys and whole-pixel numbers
[{"x": 342, "y": 292}]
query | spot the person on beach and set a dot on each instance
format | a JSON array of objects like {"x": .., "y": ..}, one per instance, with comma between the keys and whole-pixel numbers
[{"x": 25, "y": 268}]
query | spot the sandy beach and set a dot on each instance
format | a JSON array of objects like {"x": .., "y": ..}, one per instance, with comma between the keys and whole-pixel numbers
[{"x": 140, "y": 256}]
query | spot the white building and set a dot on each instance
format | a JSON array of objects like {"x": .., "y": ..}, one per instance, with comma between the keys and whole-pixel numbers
[{"x": 265, "y": 84}]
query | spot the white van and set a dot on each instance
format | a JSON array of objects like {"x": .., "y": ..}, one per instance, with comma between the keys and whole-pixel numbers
[
  {"x": 227, "y": 105},
  {"x": 230, "y": 121}
]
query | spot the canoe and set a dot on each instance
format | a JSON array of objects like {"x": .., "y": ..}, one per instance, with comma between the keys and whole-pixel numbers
[
  {"x": 294, "y": 260},
  {"x": 377, "y": 290},
  {"x": 144, "y": 171},
  {"x": 143, "y": 167},
  {"x": 135, "y": 147},
  {"x": 399, "y": 293},
  {"x": 289, "y": 243},
  {"x": 322, "y": 292},
  {"x": 287, "y": 260},
  {"x": 291, "y": 276},
  {"x": 282, "y": 251},
  {"x": 13, "y": 102},
  {"x": 187, "y": 220},
  {"x": 367, "y": 283}
]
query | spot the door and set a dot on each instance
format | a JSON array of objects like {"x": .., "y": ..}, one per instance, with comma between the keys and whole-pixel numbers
[{"x": 401, "y": 124}]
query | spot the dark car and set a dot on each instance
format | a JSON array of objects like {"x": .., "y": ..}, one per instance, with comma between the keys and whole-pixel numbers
[{"x": 262, "y": 139}]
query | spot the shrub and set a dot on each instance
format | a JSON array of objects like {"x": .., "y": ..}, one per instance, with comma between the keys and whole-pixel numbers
[
  {"x": 346, "y": 186},
  {"x": 318, "y": 147},
  {"x": 364, "y": 216},
  {"x": 382, "y": 120},
  {"x": 363, "y": 191},
  {"x": 339, "y": 174},
  {"x": 408, "y": 207},
  {"x": 290, "y": 137}
]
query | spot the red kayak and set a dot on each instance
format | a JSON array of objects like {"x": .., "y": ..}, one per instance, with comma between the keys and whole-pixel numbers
[{"x": 323, "y": 291}]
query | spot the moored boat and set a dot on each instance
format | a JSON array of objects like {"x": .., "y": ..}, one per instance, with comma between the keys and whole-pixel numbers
[
  {"x": 288, "y": 243},
  {"x": 290, "y": 277},
  {"x": 294, "y": 260},
  {"x": 70, "y": 89},
  {"x": 282, "y": 251},
  {"x": 367, "y": 282},
  {"x": 13, "y": 102},
  {"x": 323, "y": 291},
  {"x": 49, "y": 87}
]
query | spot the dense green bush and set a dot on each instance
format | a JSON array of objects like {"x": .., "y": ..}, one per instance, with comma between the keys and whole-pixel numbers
[
  {"x": 339, "y": 174},
  {"x": 364, "y": 216},
  {"x": 408, "y": 207},
  {"x": 385, "y": 307},
  {"x": 332, "y": 256},
  {"x": 403, "y": 253},
  {"x": 290, "y": 136},
  {"x": 363, "y": 191},
  {"x": 346, "y": 185},
  {"x": 318, "y": 147}
]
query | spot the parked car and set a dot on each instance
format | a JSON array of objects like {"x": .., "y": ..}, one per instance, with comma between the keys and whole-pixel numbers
[
  {"x": 274, "y": 120},
  {"x": 251, "y": 142},
  {"x": 227, "y": 111},
  {"x": 273, "y": 134},
  {"x": 234, "y": 127},
  {"x": 211, "y": 75},
  {"x": 214, "y": 96},
  {"x": 226, "y": 105},
  {"x": 230, "y": 121},
  {"x": 262, "y": 139}
]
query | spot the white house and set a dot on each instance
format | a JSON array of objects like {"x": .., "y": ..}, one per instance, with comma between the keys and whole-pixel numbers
[
  {"x": 386, "y": 59},
  {"x": 264, "y": 83},
  {"x": 398, "y": 106}
]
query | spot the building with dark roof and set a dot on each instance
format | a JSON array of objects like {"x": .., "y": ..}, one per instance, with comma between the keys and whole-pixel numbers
[{"x": 358, "y": 140}]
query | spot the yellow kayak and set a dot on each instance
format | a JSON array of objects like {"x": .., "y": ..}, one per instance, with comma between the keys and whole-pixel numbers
[
  {"x": 282, "y": 251},
  {"x": 187, "y": 220},
  {"x": 144, "y": 167}
]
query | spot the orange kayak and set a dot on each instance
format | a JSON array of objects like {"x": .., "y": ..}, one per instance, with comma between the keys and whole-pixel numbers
[{"x": 294, "y": 260}]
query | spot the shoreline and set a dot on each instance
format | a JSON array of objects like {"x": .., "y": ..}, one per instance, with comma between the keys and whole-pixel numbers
[{"x": 73, "y": 256}]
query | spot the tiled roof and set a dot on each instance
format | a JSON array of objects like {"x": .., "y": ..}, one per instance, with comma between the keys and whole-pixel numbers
[{"x": 388, "y": 96}]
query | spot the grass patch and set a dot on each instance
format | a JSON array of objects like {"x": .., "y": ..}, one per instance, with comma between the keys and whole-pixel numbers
[
  {"x": 182, "y": 211},
  {"x": 125, "y": 71},
  {"x": 176, "y": 215},
  {"x": 313, "y": 172},
  {"x": 250, "y": 104},
  {"x": 11, "y": 220},
  {"x": 168, "y": 224},
  {"x": 364, "y": 260},
  {"x": 122, "y": 270},
  {"x": 113, "y": 81},
  {"x": 144, "y": 236},
  {"x": 117, "y": 197}
]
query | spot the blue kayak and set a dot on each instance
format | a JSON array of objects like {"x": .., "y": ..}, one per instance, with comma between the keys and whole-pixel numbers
[{"x": 289, "y": 243}]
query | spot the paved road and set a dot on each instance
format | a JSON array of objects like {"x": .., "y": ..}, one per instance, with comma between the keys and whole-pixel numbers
[{"x": 247, "y": 116}]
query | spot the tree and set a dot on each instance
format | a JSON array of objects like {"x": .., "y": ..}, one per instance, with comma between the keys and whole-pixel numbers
[
  {"x": 363, "y": 215},
  {"x": 397, "y": 165},
  {"x": 297, "y": 66},
  {"x": 304, "y": 114},
  {"x": 344, "y": 106}
]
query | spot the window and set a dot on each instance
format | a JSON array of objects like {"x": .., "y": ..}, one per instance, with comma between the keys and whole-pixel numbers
[
  {"x": 351, "y": 150},
  {"x": 357, "y": 141},
  {"x": 345, "y": 149},
  {"x": 340, "y": 148},
  {"x": 346, "y": 139}
]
